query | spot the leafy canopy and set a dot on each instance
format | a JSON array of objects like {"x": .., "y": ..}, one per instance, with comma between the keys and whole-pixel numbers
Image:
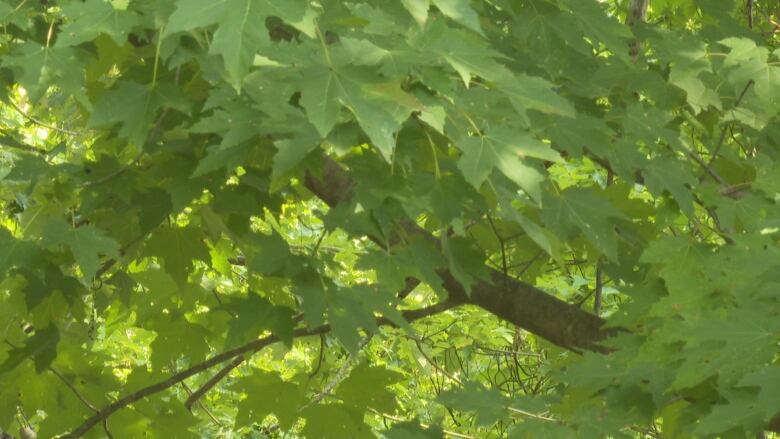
[{"x": 400, "y": 219}]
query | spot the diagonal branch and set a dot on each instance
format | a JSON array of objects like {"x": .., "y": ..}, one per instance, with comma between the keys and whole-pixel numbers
[
  {"x": 213, "y": 381},
  {"x": 40, "y": 122},
  {"x": 246, "y": 349},
  {"x": 510, "y": 299}
]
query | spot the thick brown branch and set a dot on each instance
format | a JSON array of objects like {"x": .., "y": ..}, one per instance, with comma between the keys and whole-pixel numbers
[{"x": 517, "y": 302}]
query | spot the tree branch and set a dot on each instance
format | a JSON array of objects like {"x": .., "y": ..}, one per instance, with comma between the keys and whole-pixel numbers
[
  {"x": 510, "y": 299},
  {"x": 40, "y": 122},
  {"x": 208, "y": 385},
  {"x": 248, "y": 348}
]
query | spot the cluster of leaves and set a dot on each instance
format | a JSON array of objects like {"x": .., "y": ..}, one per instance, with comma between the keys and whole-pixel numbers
[{"x": 336, "y": 219}]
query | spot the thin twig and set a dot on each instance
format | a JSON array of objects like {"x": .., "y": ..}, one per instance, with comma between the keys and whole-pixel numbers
[
  {"x": 153, "y": 133},
  {"x": 531, "y": 415},
  {"x": 714, "y": 155},
  {"x": 504, "y": 268},
  {"x": 599, "y": 288},
  {"x": 108, "y": 410},
  {"x": 340, "y": 375},
  {"x": 40, "y": 122},
  {"x": 219, "y": 376},
  {"x": 508, "y": 352},
  {"x": 425, "y": 426},
  {"x": 8, "y": 141},
  {"x": 434, "y": 365},
  {"x": 202, "y": 406},
  {"x": 75, "y": 392},
  {"x": 320, "y": 357}
]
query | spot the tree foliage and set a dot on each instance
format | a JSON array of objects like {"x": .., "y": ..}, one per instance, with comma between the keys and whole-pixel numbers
[{"x": 396, "y": 218}]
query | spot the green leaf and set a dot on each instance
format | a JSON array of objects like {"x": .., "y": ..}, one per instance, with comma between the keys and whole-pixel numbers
[
  {"x": 688, "y": 61},
  {"x": 135, "y": 106},
  {"x": 352, "y": 391},
  {"x": 412, "y": 430},
  {"x": 266, "y": 254},
  {"x": 418, "y": 259},
  {"x": 290, "y": 152},
  {"x": 466, "y": 262},
  {"x": 379, "y": 112},
  {"x": 12, "y": 251},
  {"x": 5, "y": 11},
  {"x": 178, "y": 247},
  {"x": 363, "y": 52},
  {"x": 266, "y": 394},
  {"x": 460, "y": 11},
  {"x": 534, "y": 231},
  {"x": 349, "y": 311},
  {"x": 418, "y": 9},
  {"x": 587, "y": 211},
  {"x": 767, "y": 380},
  {"x": 596, "y": 24},
  {"x": 673, "y": 176},
  {"x": 240, "y": 30},
  {"x": 40, "y": 67},
  {"x": 320, "y": 97},
  {"x": 541, "y": 429},
  {"x": 533, "y": 93},
  {"x": 309, "y": 287},
  {"x": 177, "y": 338},
  {"x": 89, "y": 19},
  {"x": 334, "y": 421},
  {"x": 255, "y": 314},
  {"x": 489, "y": 405},
  {"x": 87, "y": 244},
  {"x": 747, "y": 62},
  {"x": 220, "y": 157},
  {"x": 741, "y": 414},
  {"x": 41, "y": 347},
  {"x": 506, "y": 150}
]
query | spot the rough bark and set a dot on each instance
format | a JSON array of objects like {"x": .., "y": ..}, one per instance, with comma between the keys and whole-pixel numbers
[{"x": 517, "y": 302}]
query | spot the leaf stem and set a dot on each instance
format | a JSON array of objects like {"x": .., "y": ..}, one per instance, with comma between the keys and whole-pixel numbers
[
  {"x": 436, "y": 170},
  {"x": 324, "y": 44},
  {"x": 157, "y": 56}
]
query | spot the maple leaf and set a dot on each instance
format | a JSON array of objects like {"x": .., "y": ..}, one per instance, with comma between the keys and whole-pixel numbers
[
  {"x": 241, "y": 31},
  {"x": 89, "y": 19}
]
